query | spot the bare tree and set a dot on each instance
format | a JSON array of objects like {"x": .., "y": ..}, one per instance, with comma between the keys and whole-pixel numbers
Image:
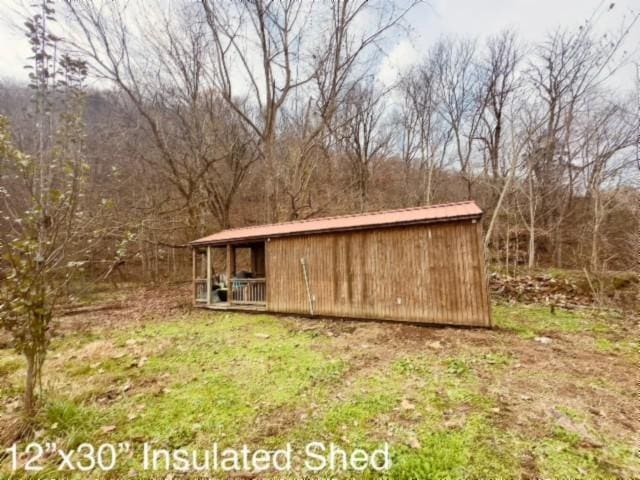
[
  {"x": 518, "y": 128},
  {"x": 424, "y": 138},
  {"x": 303, "y": 152},
  {"x": 635, "y": 236},
  {"x": 165, "y": 71},
  {"x": 273, "y": 52},
  {"x": 501, "y": 82},
  {"x": 637, "y": 146},
  {"x": 461, "y": 95},
  {"x": 606, "y": 154},
  {"x": 567, "y": 68},
  {"x": 364, "y": 137}
]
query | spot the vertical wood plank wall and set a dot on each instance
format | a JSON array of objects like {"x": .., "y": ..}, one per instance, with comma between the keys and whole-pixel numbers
[{"x": 425, "y": 273}]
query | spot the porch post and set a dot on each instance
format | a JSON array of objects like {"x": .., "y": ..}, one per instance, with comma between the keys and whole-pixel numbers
[
  {"x": 193, "y": 274},
  {"x": 208, "y": 275},
  {"x": 231, "y": 268},
  {"x": 254, "y": 262}
]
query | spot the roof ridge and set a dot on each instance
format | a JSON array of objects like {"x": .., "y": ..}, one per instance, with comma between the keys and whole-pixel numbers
[{"x": 314, "y": 219}]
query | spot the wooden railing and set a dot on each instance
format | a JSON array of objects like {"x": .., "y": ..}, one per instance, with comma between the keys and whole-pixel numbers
[
  {"x": 201, "y": 290},
  {"x": 249, "y": 291}
]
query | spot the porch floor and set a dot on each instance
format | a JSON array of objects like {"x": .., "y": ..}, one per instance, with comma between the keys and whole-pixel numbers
[{"x": 234, "y": 306}]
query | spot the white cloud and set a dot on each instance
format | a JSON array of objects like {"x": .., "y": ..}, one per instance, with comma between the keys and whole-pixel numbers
[{"x": 401, "y": 57}]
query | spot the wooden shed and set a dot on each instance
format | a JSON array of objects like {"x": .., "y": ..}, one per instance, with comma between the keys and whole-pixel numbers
[{"x": 422, "y": 264}]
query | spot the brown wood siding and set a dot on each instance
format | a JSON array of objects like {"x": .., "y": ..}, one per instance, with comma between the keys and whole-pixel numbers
[{"x": 427, "y": 273}]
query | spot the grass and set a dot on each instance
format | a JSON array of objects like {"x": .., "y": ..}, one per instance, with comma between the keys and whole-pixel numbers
[
  {"x": 562, "y": 457},
  {"x": 198, "y": 378},
  {"x": 466, "y": 452},
  {"x": 9, "y": 364},
  {"x": 529, "y": 321}
]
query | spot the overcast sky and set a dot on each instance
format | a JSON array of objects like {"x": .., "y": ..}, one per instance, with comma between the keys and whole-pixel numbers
[{"x": 531, "y": 18}]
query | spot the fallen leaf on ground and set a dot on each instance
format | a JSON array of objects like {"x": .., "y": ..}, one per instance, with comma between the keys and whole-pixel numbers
[
  {"x": 413, "y": 442},
  {"x": 407, "y": 405},
  {"x": 543, "y": 340}
]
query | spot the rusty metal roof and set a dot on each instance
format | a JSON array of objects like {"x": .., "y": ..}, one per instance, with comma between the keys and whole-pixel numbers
[{"x": 388, "y": 218}]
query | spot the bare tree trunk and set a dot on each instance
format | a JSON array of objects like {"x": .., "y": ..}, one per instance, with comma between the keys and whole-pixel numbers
[
  {"x": 595, "y": 234},
  {"x": 507, "y": 247},
  {"x": 532, "y": 248},
  {"x": 638, "y": 196},
  {"x": 638, "y": 242},
  {"x": 363, "y": 185},
  {"x": 532, "y": 226},
  {"x": 557, "y": 251},
  {"x": 271, "y": 190},
  {"x": 428, "y": 187},
  {"x": 516, "y": 256},
  {"x": 503, "y": 193},
  {"x": 30, "y": 385}
]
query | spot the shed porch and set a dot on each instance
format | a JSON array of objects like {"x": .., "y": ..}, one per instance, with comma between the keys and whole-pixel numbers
[{"x": 239, "y": 283}]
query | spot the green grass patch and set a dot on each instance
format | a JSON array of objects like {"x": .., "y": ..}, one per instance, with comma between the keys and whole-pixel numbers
[
  {"x": 475, "y": 450},
  {"x": 412, "y": 366},
  {"x": 529, "y": 321},
  {"x": 72, "y": 422},
  {"x": 626, "y": 347},
  {"x": 458, "y": 367},
  {"x": 498, "y": 359},
  {"x": 10, "y": 363},
  {"x": 561, "y": 457}
]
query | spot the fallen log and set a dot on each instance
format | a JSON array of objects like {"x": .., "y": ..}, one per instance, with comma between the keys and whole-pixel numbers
[{"x": 90, "y": 309}]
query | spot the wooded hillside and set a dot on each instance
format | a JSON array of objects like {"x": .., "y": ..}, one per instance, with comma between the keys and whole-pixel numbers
[{"x": 211, "y": 115}]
